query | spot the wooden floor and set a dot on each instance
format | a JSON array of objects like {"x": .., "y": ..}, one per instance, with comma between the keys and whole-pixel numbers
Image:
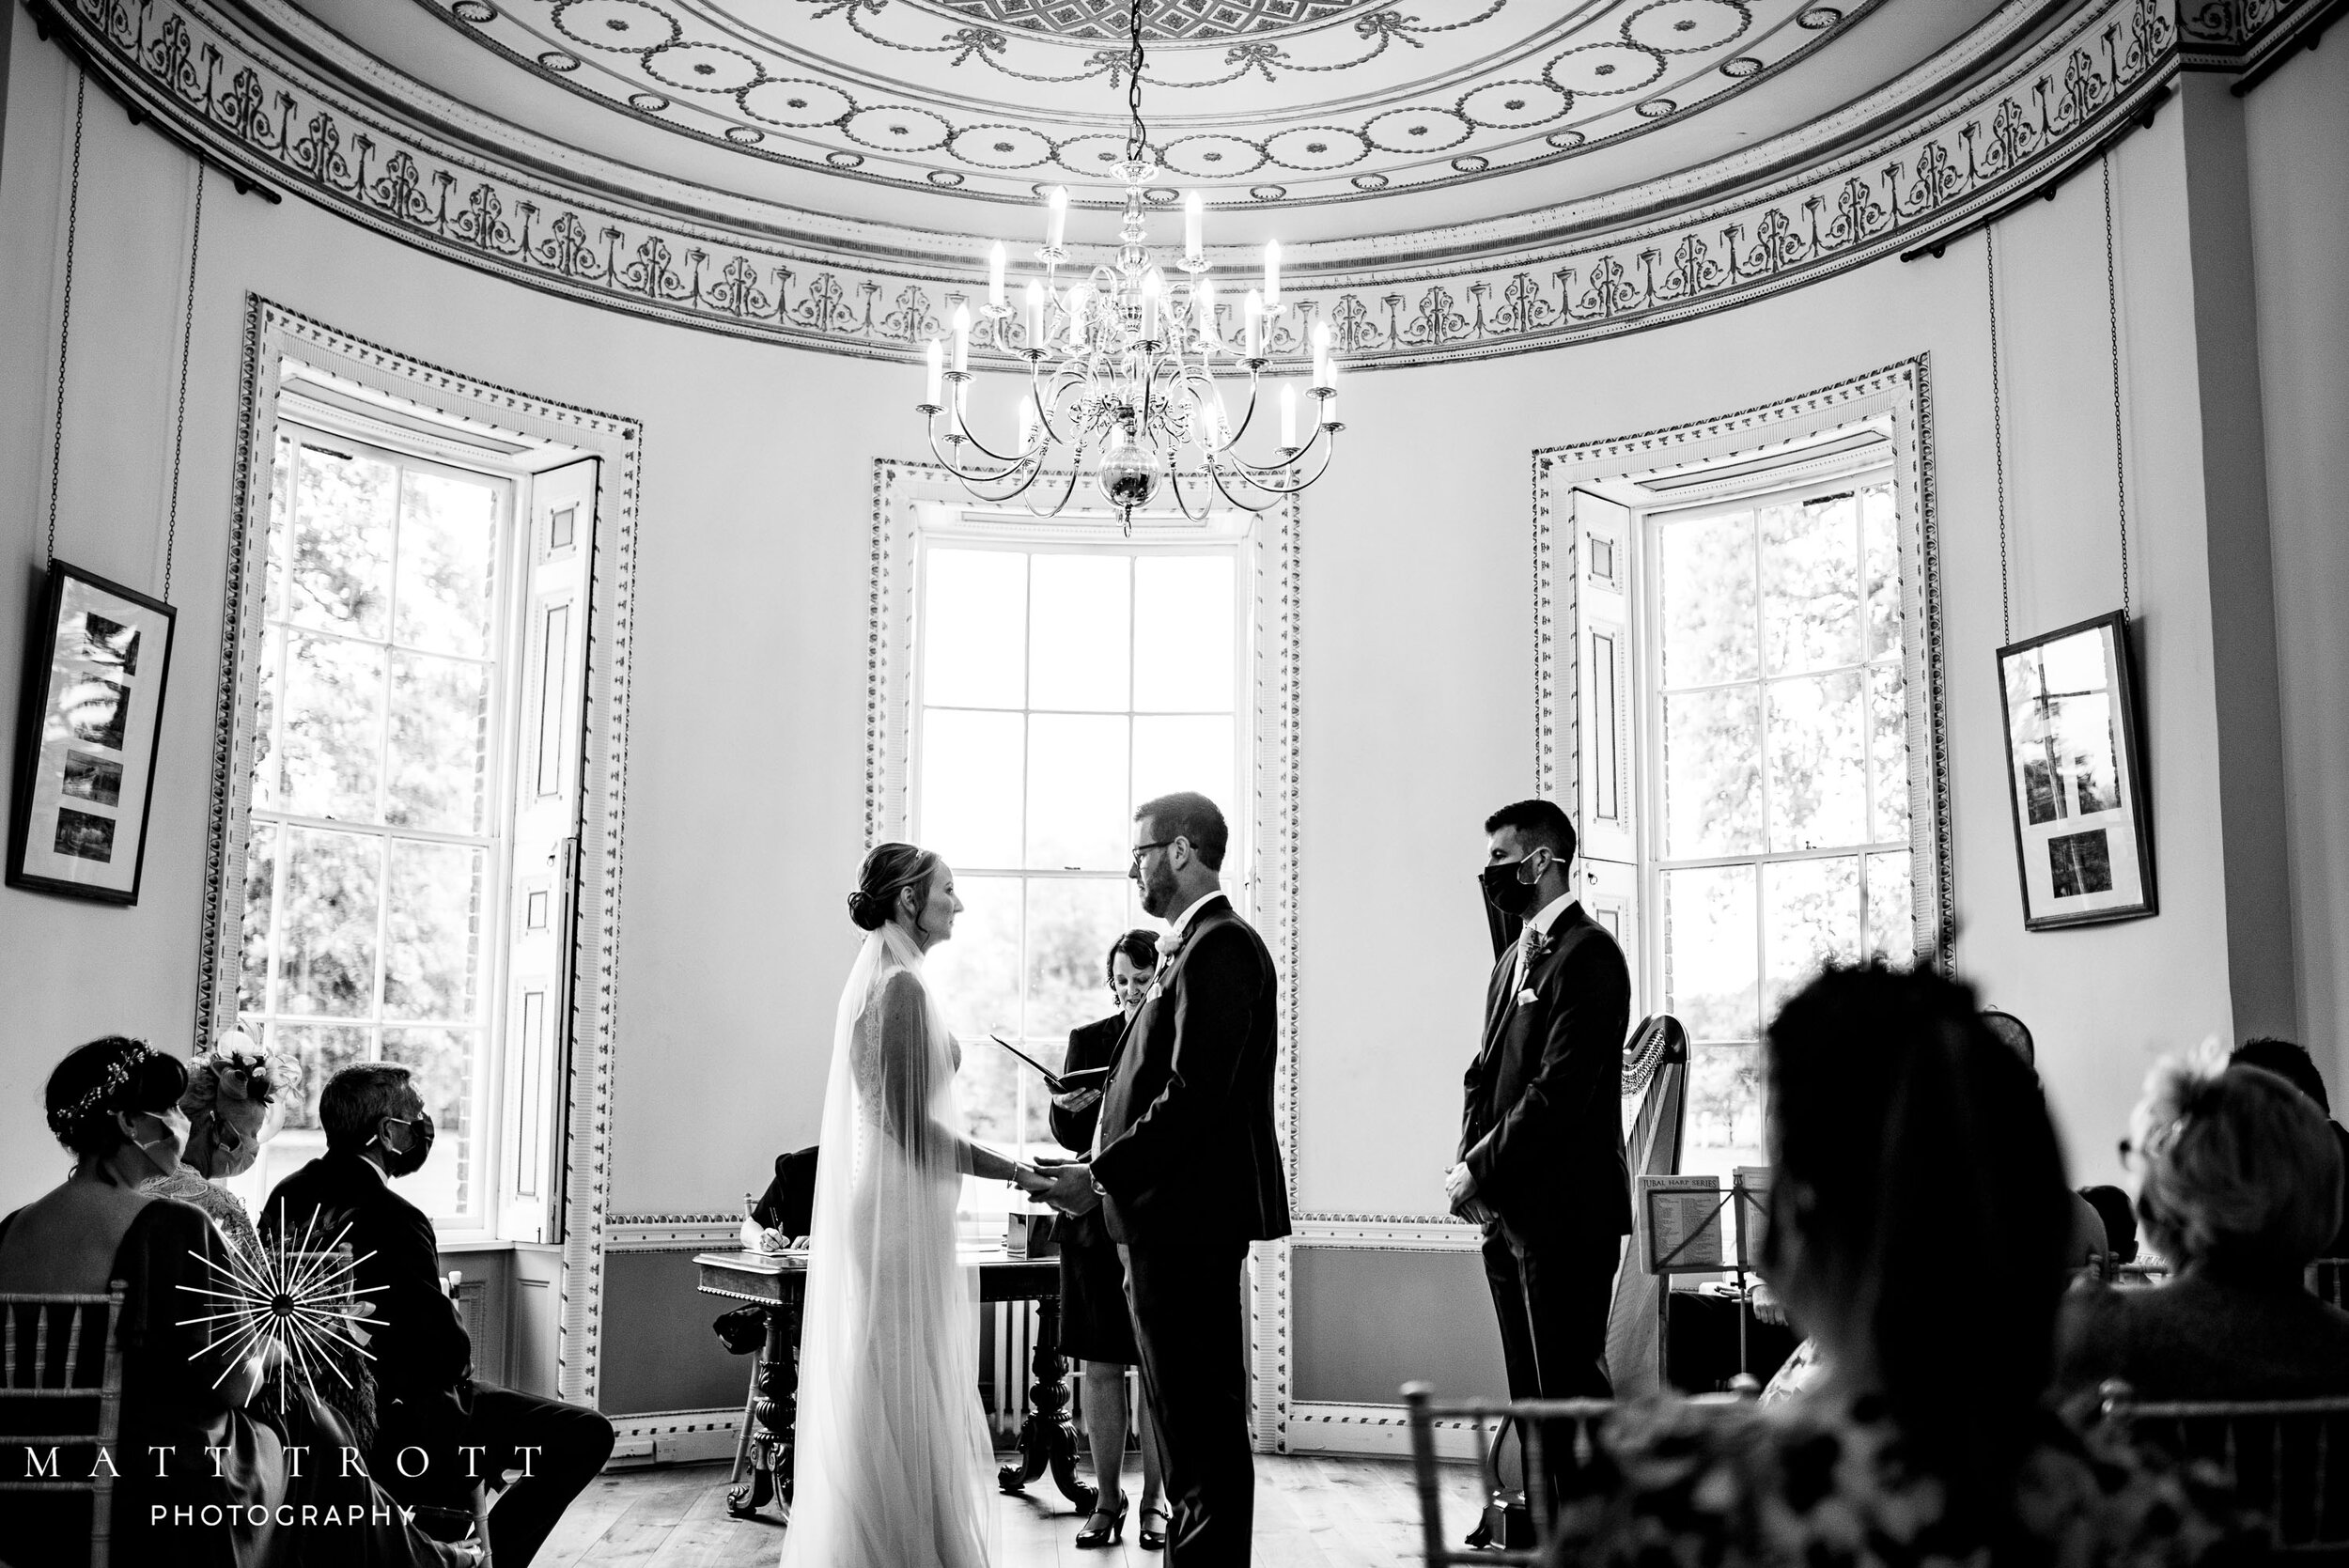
[{"x": 1311, "y": 1513}]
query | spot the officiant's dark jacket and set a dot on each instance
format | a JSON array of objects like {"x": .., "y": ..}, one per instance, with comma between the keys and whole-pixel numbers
[
  {"x": 1187, "y": 1151},
  {"x": 1542, "y": 1125},
  {"x": 421, "y": 1351}
]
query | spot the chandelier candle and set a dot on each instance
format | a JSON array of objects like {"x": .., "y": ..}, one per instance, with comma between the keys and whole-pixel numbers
[{"x": 1126, "y": 370}]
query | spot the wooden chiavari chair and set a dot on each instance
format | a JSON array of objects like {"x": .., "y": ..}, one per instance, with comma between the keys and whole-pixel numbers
[
  {"x": 1540, "y": 1422},
  {"x": 61, "y": 1390},
  {"x": 2288, "y": 1459}
]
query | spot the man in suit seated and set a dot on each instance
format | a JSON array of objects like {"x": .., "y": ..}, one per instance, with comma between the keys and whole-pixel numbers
[{"x": 427, "y": 1395}]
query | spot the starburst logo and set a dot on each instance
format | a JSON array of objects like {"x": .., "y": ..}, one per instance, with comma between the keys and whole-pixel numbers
[{"x": 298, "y": 1302}]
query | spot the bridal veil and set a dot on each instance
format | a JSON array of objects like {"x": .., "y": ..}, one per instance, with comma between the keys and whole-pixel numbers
[{"x": 893, "y": 1446}]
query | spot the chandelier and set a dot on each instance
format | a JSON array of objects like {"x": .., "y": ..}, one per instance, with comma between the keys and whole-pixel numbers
[{"x": 1121, "y": 372}]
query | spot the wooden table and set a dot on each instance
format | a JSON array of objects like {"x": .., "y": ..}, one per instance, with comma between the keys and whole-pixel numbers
[{"x": 778, "y": 1282}]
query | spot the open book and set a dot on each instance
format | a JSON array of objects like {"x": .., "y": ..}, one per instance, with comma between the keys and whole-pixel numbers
[{"x": 1059, "y": 1083}]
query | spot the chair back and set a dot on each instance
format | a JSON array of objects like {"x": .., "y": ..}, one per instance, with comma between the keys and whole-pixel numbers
[
  {"x": 2287, "y": 1459},
  {"x": 2329, "y": 1278},
  {"x": 1547, "y": 1425},
  {"x": 61, "y": 1400},
  {"x": 1656, "y": 1081}
]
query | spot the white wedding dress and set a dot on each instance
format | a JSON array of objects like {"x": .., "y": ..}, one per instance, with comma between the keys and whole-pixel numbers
[{"x": 892, "y": 1452}]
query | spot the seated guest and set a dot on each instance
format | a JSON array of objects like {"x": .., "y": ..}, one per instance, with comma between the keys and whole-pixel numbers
[
  {"x": 189, "y": 1437},
  {"x": 2292, "y": 1063},
  {"x": 1917, "y": 1229},
  {"x": 427, "y": 1395},
  {"x": 234, "y": 1103},
  {"x": 2113, "y": 1206},
  {"x": 2241, "y": 1187},
  {"x": 2087, "y": 1253}
]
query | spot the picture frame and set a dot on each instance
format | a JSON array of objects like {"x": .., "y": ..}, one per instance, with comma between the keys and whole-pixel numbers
[
  {"x": 97, "y": 670},
  {"x": 2076, "y": 779}
]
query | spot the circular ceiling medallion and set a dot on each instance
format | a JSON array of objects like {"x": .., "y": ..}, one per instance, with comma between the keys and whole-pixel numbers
[
  {"x": 1311, "y": 148},
  {"x": 1212, "y": 157},
  {"x": 1819, "y": 17},
  {"x": 1474, "y": 163},
  {"x": 1564, "y": 139},
  {"x": 743, "y": 135},
  {"x": 897, "y": 128},
  {"x": 1606, "y": 67},
  {"x": 1164, "y": 22},
  {"x": 1514, "y": 105},
  {"x": 1158, "y": 195},
  {"x": 1742, "y": 66},
  {"x": 796, "y": 103},
  {"x": 650, "y": 104},
  {"x": 623, "y": 25},
  {"x": 845, "y": 160},
  {"x": 473, "y": 11},
  {"x": 1091, "y": 157},
  {"x": 1686, "y": 26},
  {"x": 1656, "y": 108},
  {"x": 1416, "y": 131},
  {"x": 702, "y": 67},
  {"x": 999, "y": 147},
  {"x": 1267, "y": 192},
  {"x": 555, "y": 59},
  {"x": 945, "y": 179},
  {"x": 1370, "y": 182}
]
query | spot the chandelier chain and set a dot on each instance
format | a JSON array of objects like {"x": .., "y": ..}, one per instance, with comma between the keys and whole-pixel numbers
[{"x": 1137, "y": 134}]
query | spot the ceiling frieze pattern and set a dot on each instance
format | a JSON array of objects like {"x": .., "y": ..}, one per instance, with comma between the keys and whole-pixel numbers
[
  {"x": 1353, "y": 101},
  {"x": 269, "y": 120}
]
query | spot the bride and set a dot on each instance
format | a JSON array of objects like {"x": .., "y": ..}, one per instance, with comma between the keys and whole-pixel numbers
[{"x": 892, "y": 1447}]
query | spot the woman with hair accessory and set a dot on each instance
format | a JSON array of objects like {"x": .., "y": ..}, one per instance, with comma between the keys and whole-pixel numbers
[
  {"x": 235, "y": 1102},
  {"x": 1917, "y": 1223},
  {"x": 892, "y": 1450},
  {"x": 189, "y": 1439},
  {"x": 2240, "y": 1178},
  {"x": 1096, "y": 1327}
]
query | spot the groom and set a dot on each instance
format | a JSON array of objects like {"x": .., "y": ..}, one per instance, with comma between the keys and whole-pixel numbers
[{"x": 1186, "y": 1170}]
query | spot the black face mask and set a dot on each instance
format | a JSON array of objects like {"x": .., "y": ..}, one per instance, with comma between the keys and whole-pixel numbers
[
  {"x": 1503, "y": 890},
  {"x": 408, "y": 1161}
]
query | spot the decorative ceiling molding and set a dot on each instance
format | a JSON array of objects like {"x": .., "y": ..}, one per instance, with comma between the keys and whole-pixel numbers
[
  {"x": 892, "y": 90},
  {"x": 270, "y": 118}
]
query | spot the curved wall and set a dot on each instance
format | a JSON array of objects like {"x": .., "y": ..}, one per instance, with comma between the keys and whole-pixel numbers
[{"x": 745, "y": 782}]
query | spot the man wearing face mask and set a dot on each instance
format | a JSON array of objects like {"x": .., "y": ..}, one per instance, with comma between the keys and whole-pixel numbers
[
  {"x": 377, "y": 1127},
  {"x": 1541, "y": 1162}
]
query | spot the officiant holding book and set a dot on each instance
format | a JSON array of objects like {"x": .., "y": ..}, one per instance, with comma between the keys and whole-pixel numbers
[{"x": 1095, "y": 1326}]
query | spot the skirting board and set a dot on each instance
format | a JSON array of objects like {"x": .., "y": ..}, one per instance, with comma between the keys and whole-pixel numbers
[
  {"x": 674, "y": 1437},
  {"x": 1383, "y": 1430}
]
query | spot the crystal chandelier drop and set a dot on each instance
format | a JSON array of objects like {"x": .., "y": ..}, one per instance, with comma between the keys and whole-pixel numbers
[{"x": 1121, "y": 372}]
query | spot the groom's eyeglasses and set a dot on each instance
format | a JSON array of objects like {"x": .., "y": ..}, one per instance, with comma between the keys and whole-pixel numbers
[{"x": 1142, "y": 849}]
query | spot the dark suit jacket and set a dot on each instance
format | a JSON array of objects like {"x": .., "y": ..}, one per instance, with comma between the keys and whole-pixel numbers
[
  {"x": 1542, "y": 1126},
  {"x": 1095, "y": 1044},
  {"x": 1188, "y": 1153},
  {"x": 421, "y": 1349}
]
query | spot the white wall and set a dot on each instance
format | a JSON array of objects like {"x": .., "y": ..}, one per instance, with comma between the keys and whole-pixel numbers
[
  {"x": 745, "y": 775},
  {"x": 2297, "y": 143}
]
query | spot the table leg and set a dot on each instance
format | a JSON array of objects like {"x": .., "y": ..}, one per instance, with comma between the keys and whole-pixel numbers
[
  {"x": 1047, "y": 1441},
  {"x": 774, "y": 1415}
]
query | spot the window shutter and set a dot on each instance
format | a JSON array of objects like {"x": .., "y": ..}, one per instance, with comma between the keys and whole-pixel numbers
[{"x": 1603, "y": 795}]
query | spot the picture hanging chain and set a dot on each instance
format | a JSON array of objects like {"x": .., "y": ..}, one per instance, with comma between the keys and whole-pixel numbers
[
  {"x": 179, "y": 417},
  {"x": 64, "y": 325},
  {"x": 1997, "y": 432},
  {"x": 2113, "y": 322}
]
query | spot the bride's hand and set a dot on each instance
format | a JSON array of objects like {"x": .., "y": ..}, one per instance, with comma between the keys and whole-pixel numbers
[{"x": 1030, "y": 1180}]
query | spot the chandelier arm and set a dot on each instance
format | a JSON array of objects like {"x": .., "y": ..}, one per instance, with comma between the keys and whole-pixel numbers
[
  {"x": 1066, "y": 490},
  {"x": 972, "y": 478},
  {"x": 1254, "y": 475},
  {"x": 1274, "y": 497},
  {"x": 1289, "y": 461}
]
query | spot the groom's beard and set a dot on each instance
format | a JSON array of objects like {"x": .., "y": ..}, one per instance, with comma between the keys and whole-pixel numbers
[{"x": 1157, "y": 894}]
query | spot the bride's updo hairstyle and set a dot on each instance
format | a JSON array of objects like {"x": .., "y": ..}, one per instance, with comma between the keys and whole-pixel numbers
[{"x": 888, "y": 870}]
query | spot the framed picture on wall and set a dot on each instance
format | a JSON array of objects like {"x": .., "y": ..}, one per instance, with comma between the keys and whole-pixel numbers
[
  {"x": 2082, "y": 834},
  {"x": 98, "y": 661}
]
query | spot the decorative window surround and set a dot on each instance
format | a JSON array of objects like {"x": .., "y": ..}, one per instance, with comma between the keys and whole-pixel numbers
[
  {"x": 272, "y": 118},
  {"x": 276, "y": 336}
]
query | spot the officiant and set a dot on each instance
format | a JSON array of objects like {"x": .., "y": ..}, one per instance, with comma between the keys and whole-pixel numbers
[{"x": 1095, "y": 1326}]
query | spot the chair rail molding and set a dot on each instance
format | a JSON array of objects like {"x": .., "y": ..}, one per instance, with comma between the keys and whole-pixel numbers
[{"x": 282, "y": 102}]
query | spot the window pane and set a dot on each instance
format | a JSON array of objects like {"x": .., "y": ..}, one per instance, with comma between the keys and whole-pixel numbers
[
  {"x": 1712, "y": 773},
  {"x": 439, "y": 743},
  {"x": 1810, "y": 585},
  {"x": 448, "y": 538},
  {"x": 1891, "y": 907},
  {"x": 269, "y": 687},
  {"x": 327, "y": 931},
  {"x": 432, "y": 932},
  {"x": 1724, "y": 1112},
  {"x": 280, "y": 530},
  {"x": 333, "y": 727},
  {"x": 1888, "y": 710},
  {"x": 1710, "y": 953},
  {"x": 1079, "y": 632},
  {"x": 1071, "y": 924},
  {"x": 1818, "y": 783},
  {"x": 341, "y": 576},
  {"x": 1880, "y": 530},
  {"x": 260, "y": 869},
  {"x": 976, "y": 627},
  {"x": 975, "y": 976},
  {"x": 971, "y": 772},
  {"x": 1077, "y": 813},
  {"x": 1810, "y": 916},
  {"x": 989, "y": 1088},
  {"x": 1184, "y": 754},
  {"x": 323, "y": 1050},
  {"x": 1183, "y": 634},
  {"x": 443, "y": 1063},
  {"x": 1705, "y": 577}
]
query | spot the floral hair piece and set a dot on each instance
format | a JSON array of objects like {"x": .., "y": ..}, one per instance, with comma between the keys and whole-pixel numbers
[{"x": 66, "y": 1118}]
